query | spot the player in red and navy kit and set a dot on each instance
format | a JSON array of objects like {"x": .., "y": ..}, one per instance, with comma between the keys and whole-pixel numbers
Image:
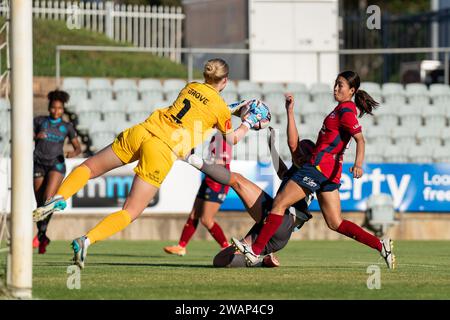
[
  {"x": 207, "y": 203},
  {"x": 323, "y": 172}
]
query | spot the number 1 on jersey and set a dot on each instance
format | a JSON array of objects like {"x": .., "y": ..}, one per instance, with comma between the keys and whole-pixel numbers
[{"x": 182, "y": 113}]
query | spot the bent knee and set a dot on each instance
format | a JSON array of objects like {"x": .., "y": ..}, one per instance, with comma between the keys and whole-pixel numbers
[
  {"x": 235, "y": 180},
  {"x": 334, "y": 225}
]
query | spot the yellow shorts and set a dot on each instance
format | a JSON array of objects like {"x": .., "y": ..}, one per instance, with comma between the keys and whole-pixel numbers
[{"x": 155, "y": 157}]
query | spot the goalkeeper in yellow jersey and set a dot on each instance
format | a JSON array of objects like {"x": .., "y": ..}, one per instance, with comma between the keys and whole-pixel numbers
[{"x": 166, "y": 135}]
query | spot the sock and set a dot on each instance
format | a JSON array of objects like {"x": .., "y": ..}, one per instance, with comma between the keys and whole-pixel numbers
[
  {"x": 273, "y": 221},
  {"x": 218, "y": 235},
  {"x": 354, "y": 231},
  {"x": 188, "y": 232},
  {"x": 112, "y": 224},
  {"x": 42, "y": 227},
  {"x": 74, "y": 181},
  {"x": 216, "y": 171}
]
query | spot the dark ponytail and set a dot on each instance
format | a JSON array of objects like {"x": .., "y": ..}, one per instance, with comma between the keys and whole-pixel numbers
[
  {"x": 57, "y": 95},
  {"x": 364, "y": 102}
]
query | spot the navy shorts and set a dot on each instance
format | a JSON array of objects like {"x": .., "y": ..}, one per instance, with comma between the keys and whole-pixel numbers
[
  {"x": 312, "y": 179},
  {"x": 41, "y": 170},
  {"x": 208, "y": 194}
]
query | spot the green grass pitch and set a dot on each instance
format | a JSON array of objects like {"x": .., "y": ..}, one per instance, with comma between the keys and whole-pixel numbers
[{"x": 310, "y": 270}]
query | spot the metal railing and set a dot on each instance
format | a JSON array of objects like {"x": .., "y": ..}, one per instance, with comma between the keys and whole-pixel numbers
[
  {"x": 143, "y": 26},
  {"x": 190, "y": 52}
]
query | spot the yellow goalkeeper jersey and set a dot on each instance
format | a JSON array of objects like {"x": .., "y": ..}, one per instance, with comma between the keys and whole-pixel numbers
[{"x": 189, "y": 120}]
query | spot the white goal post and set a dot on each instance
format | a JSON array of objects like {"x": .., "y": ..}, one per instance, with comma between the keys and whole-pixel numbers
[{"x": 21, "y": 255}]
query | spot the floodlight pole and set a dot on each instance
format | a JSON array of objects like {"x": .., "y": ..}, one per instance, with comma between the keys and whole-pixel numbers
[{"x": 21, "y": 149}]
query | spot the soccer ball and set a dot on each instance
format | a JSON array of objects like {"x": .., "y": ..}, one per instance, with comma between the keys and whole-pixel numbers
[{"x": 257, "y": 112}]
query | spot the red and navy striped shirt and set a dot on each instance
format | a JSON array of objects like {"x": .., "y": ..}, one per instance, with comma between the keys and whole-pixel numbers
[{"x": 337, "y": 129}]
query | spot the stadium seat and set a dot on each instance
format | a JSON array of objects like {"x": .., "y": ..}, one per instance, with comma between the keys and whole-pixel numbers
[
  {"x": 110, "y": 106},
  {"x": 440, "y": 93},
  {"x": 230, "y": 94},
  {"x": 445, "y": 136},
  {"x": 321, "y": 93},
  {"x": 386, "y": 116},
  {"x": 71, "y": 83},
  {"x": 420, "y": 154},
  {"x": 441, "y": 154},
  {"x": 100, "y": 89},
  {"x": 249, "y": 90},
  {"x": 139, "y": 105},
  {"x": 429, "y": 136},
  {"x": 276, "y": 103},
  {"x": 126, "y": 90},
  {"x": 366, "y": 122},
  {"x": 350, "y": 152},
  {"x": 101, "y": 140},
  {"x": 380, "y": 213},
  {"x": 136, "y": 116},
  {"x": 87, "y": 114},
  {"x": 373, "y": 89},
  {"x": 151, "y": 90},
  {"x": 404, "y": 136},
  {"x": 434, "y": 116},
  {"x": 417, "y": 94},
  {"x": 410, "y": 116},
  {"x": 393, "y": 93},
  {"x": 121, "y": 126},
  {"x": 77, "y": 90},
  {"x": 374, "y": 153},
  {"x": 378, "y": 135},
  {"x": 300, "y": 92},
  {"x": 240, "y": 150},
  {"x": 4, "y": 104},
  {"x": 395, "y": 154},
  {"x": 116, "y": 117},
  {"x": 172, "y": 88}
]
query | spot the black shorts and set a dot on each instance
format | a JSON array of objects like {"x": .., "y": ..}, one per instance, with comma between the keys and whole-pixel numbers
[
  {"x": 281, "y": 237},
  {"x": 208, "y": 194},
  {"x": 312, "y": 179},
  {"x": 40, "y": 170}
]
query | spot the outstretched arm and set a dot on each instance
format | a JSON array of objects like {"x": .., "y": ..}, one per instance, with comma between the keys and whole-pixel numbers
[
  {"x": 76, "y": 146},
  {"x": 278, "y": 163},
  {"x": 237, "y": 135},
  {"x": 291, "y": 130}
]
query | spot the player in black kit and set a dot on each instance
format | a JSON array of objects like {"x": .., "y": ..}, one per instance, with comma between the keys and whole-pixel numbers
[{"x": 49, "y": 166}]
